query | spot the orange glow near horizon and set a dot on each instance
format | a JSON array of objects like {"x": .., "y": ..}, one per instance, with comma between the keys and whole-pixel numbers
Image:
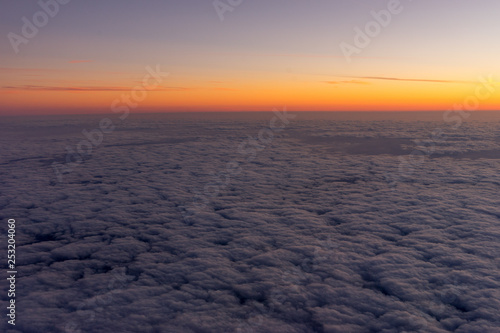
[
  {"x": 252, "y": 95},
  {"x": 265, "y": 55}
]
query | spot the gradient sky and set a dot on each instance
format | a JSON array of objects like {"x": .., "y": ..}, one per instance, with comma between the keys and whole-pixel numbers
[{"x": 264, "y": 54}]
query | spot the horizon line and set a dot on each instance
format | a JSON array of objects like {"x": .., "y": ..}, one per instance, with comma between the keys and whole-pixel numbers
[{"x": 228, "y": 112}]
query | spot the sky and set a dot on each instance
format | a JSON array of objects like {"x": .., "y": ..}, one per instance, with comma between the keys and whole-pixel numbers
[{"x": 92, "y": 56}]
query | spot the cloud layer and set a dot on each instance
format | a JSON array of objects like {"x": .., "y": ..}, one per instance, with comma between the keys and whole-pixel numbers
[{"x": 309, "y": 237}]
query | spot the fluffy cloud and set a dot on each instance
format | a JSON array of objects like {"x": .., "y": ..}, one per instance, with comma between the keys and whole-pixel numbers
[{"x": 309, "y": 237}]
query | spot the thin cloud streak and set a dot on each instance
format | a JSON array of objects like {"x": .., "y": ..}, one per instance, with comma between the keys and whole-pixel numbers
[
  {"x": 102, "y": 89},
  {"x": 346, "y": 82},
  {"x": 414, "y": 80},
  {"x": 85, "y": 89}
]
